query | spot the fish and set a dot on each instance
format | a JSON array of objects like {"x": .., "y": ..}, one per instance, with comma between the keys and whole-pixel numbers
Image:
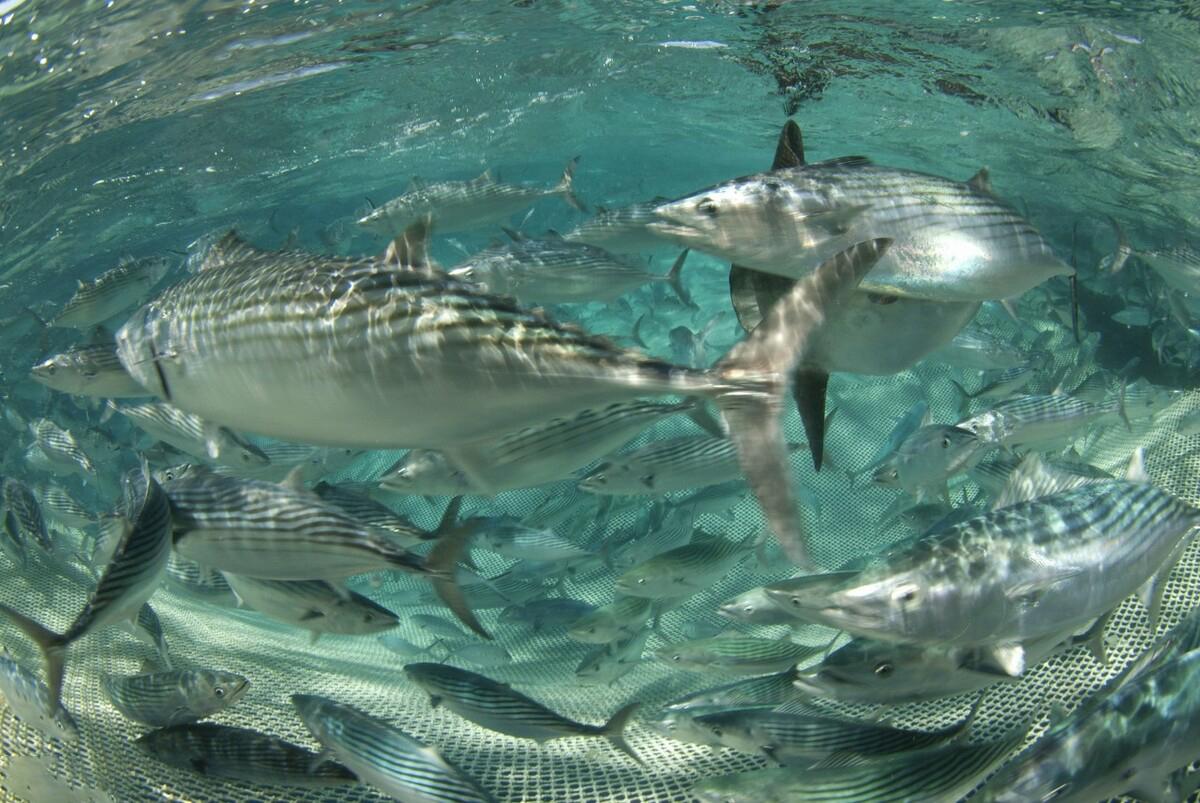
[
  {"x": 463, "y": 205},
  {"x": 625, "y": 230},
  {"x": 111, "y": 292},
  {"x": 526, "y": 543},
  {"x": 554, "y": 613},
  {"x": 756, "y": 607},
  {"x": 241, "y": 754},
  {"x": 61, "y": 448},
  {"x": 997, "y": 384},
  {"x": 608, "y": 663},
  {"x": 286, "y": 532},
  {"x": 88, "y": 370},
  {"x": 623, "y": 618},
  {"x": 192, "y": 434},
  {"x": 60, "y": 506},
  {"x": 148, "y": 629},
  {"x": 876, "y": 333},
  {"x": 943, "y": 773},
  {"x": 740, "y": 655},
  {"x": 976, "y": 348},
  {"x": 175, "y": 697},
  {"x": 1038, "y": 420},
  {"x": 1177, "y": 265},
  {"x": 314, "y": 605},
  {"x": 436, "y": 626},
  {"x": 23, "y": 516},
  {"x": 928, "y": 458},
  {"x": 1034, "y": 477},
  {"x": 766, "y": 691},
  {"x": 133, "y": 574},
  {"x": 916, "y": 417},
  {"x": 672, "y": 464},
  {"x": 1188, "y": 424},
  {"x": 384, "y": 756},
  {"x": 483, "y": 654},
  {"x": 426, "y": 472},
  {"x": 1016, "y": 574},
  {"x": 1137, "y": 739},
  {"x": 430, "y": 343},
  {"x": 552, "y": 450},
  {"x": 373, "y": 514},
  {"x": 686, "y": 570},
  {"x": 994, "y": 473},
  {"x": 1132, "y": 316},
  {"x": 553, "y": 270},
  {"x": 29, "y": 698},
  {"x": 500, "y": 708}
]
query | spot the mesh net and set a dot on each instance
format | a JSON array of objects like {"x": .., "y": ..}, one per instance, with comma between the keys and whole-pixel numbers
[{"x": 360, "y": 671}]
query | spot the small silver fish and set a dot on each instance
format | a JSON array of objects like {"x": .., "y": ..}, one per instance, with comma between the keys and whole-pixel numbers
[
  {"x": 92, "y": 370},
  {"x": 161, "y": 699},
  {"x": 315, "y": 605},
  {"x": 111, "y": 292},
  {"x": 674, "y": 464},
  {"x": 608, "y": 663},
  {"x": 686, "y": 570},
  {"x": 622, "y": 618},
  {"x": 192, "y": 434}
]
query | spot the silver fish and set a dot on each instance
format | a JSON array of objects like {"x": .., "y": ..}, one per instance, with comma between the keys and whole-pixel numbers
[
  {"x": 461, "y": 205},
  {"x": 979, "y": 349},
  {"x": 1038, "y": 420},
  {"x": 23, "y": 515},
  {"x": 191, "y": 434},
  {"x": 92, "y": 370},
  {"x": 478, "y": 653},
  {"x": 60, "y": 506},
  {"x": 240, "y": 754},
  {"x": 625, "y": 230},
  {"x": 61, "y": 448},
  {"x": 955, "y": 241},
  {"x": 756, "y": 607},
  {"x": 1015, "y": 574},
  {"x": 373, "y": 514},
  {"x": 526, "y": 543},
  {"x": 737, "y": 655},
  {"x": 500, "y": 708},
  {"x": 916, "y": 417},
  {"x": 765, "y": 690},
  {"x": 133, "y": 574},
  {"x": 314, "y": 605},
  {"x": 111, "y": 292},
  {"x": 608, "y": 663},
  {"x": 557, "y": 271},
  {"x": 426, "y": 472},
  {"x": 1178, "y": 265},
  {"x": 686, "y": 570},
  {"x": 444, "y": 365},
  {"x": 161, "y": 699},
  {"x": 30, "y": 700},
  {"x": 554, "y": 613},
  {"x": 384, "y": 756},
  {"x": 622, "y": 618},
  {"x": 928, "y": 458}
]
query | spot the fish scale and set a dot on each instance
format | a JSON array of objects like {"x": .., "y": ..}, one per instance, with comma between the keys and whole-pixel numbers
[{"x": 386, "y": 757}]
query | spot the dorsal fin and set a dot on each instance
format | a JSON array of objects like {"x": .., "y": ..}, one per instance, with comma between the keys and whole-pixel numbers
[
  {"x": 484, "y": 178},
  {"x": 790, "y": 150},
  {"x": 227, "y": 250},
  {"x": 845, "y": 161},
  {"x": 981, "y": 181},
  {"x": 513, "y": 234},
  {"x": 410, "y": 251}
]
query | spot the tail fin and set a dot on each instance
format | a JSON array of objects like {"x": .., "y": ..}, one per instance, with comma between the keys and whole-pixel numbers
[
  {"x": 1123, "y": 250},
  {"x": 54, "y": 652},
  {"x": 566, "y": 186},
  {"x": 754, "y": 380},
  {"x": 614, "y": 731},
  {"x": 442, "y": 565},
  {"x": 673, "y": 279},
  {"x": 637, "y": 331}
]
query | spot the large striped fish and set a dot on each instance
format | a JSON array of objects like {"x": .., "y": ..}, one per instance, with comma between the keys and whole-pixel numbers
[
  {"x": 286, "y": 532},
  {"x": 1016, "y": 574},
  {"x": 111, "y": 292},
  {"x": 91, "y": 370},
  {"x": 459, "y": 205},
  {"x": 168, "y": 698},
  {"x": 498, "y": 707},
  {"x": 191, "y": 434},
  {"x": 385, "y": 756},
  {"x": 240, "y": 754},
  {"x": 315, "y": 605},
  {"x": 373, "y": 514},
  {"x": 131, "y": 576},
  {"x": 364, "y": 354}
]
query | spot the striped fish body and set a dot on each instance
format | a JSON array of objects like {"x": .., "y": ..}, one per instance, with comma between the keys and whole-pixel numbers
[
  {"x": 161, "y": 699},
  {"x": 193, "y": 435},
  {"x": 625, "y": 230},
  {"x": 380, "y": 517},
  {"x": 148, "y": 628},
  {"x": 954, "y": 242},
  {"x": 551, "y": 451},
  {"x": 1013, "y": 575},
  {"x": 111, "y": 292},
  {"x": 313, "y": 605},
  {"x": 553, "y": 271},
  {"x": 622, "y": 618},
  {"x": 29, "y": 699},
  {"x": 976, "y": 348},
  {"x": 498, "y": 707},
  {"x": 663, "y": 533},
  {"x": 1136, "y": 740},
  {"x": 608, "y": 663},
  {"x": 364, "y": 354},
  {"x": 674, "y": 464},
  {"x": 685, "y": 570},
  {"x": 755, "y": 607},
  {"x": 1036, "y": 477},
  {"x": 426, "y": 472},
  {"x": 92, "y": 370},
  {"x": 384, "y": 756},
  {"x": 939, "y": 774},
  {"x": 526, "y": 543},
  {"x": 240, "y": 754},
  {"x": 462, "y": 205},
  {"x": 994, "y": 473},
  {"x": 766, "y": 691},
  {"x": 61, "y": 448},
  {"x": 273, "y": 532},
  {"x": 1037, "y": 420},
  {"x": 802, "y": 739},
  {"x": 132, "y": 575},
  {"x": 928, "y": 458},
  {"x": 23, "y": 515},
  {"x": 737, "y": 655},
  {"x": 201, "y": 582},
  {"x": 62, "y": 507}
]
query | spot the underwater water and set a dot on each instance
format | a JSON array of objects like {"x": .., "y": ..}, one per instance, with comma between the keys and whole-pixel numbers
[{"x": 382, "y": 420}]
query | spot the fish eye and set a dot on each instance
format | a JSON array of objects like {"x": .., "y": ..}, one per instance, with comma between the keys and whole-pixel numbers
[
  {"x": 946, "y": 442},
  {"x": 717, "y": 732},
  {"x": 883, "y": 669},
  {"x": 707, "y": 207},
  {"x": 219, "y": 691},
  {"x": 51, "y": 369},
  {"x": 905, "y": 594},
  {"x": 894, "y": 474},
  {"x": 773, "y": 186},
  {"x": 676, "y": 657},
  {"x": 641, "y": 581}
]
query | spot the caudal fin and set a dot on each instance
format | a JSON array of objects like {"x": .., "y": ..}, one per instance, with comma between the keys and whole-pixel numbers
[
  {"x": 1122, "y": 251},
  {"x": 754, "y": 379},
  {"x": 614, "y": 731},
  {"x": 674, "y": 279},
  {"x": 442, "y": 565},
  {"x": 54, "y": 651},
  {"x": 566, "y": 186}
]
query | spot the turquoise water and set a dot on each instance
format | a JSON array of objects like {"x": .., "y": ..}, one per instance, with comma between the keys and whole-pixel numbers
[{"x": 134, "y": 129}]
